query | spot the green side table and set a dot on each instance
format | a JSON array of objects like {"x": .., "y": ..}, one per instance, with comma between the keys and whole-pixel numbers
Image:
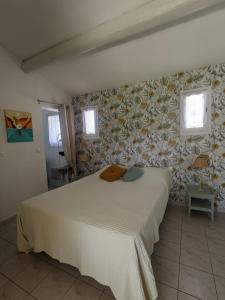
[{"x": 201, "y": 199}]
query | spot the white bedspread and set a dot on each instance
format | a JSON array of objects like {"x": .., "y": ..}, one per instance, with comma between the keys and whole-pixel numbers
[{"x": 107, "y": 230}]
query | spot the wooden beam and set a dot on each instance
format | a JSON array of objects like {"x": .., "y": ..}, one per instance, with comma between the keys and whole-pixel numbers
[{"x": 153, "y": 15}]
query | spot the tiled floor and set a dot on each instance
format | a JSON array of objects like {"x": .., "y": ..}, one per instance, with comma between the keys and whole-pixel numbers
[{"x": 188, "y": 263}]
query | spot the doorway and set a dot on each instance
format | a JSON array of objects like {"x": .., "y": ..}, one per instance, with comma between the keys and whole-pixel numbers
[{"x": 56, "y": 164}]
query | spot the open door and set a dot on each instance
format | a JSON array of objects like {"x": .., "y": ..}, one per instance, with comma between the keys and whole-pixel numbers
[{"x": 56, "y": 164}]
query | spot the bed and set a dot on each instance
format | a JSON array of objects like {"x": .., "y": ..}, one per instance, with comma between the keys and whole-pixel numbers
[{"x": 107, "y": 230}]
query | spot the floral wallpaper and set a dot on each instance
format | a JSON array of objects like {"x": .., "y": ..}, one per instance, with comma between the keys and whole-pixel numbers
[{"x": 139, "y": 124}]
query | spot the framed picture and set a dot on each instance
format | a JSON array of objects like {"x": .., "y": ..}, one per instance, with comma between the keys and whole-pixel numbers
[{"x": 18, "y": 126}]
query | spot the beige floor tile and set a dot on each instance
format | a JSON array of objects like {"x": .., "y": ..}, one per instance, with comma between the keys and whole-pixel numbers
[
  {"x": 218, "y": 264},
  {"x": 192, "y": 281},
  {"x": 33, "y": 274},
  {"x": 197, "y": 283},
  {"x": 215, "y": 232},
  {"x": 175, "y": 212},
  {"x": 174, "y": 215},
  {"x": 69, "y": 269},
  {"x": 183, "y": 296},
  {"x": 8, "y": 226},
  {"x": 220, "y": 287},
  {"x": 11, "y": 220},
  {"x": 175, "y": 221},
  {"x": 173, "y": 236},
  {"x": 47, "y": 258},
  {"x": 197, "y": 218},
  {"x": 10, "y": 234},
  {"x": 168, "y": 224},
  {"x": 3, "y": 280},
  {"x": 197, "y": 230},
  {"x": 196, "y": 259},
  {"x": 65, "y": 267},
  {"x": 92, "y": 282},
  {"x": 190, "y": 241},
  {"x": 167, "y": 250},
  {"x": 29, "y": 297},
  {"x": 54, "y": 286},
  {"x": 108, "y": 291},
  {"x": 165, "y": 292},
  {"x": 10, "y": 291},
  {"x": 81, "y": 290},
  {"x": 16, "y": 264},
  {"x": 106, "y": 297},
  {"x": 7, "y": 251},
  {"x": 216, "y": 246},
  {"x": 165, "y": 271},
  {"x": 219, "y": 219}
]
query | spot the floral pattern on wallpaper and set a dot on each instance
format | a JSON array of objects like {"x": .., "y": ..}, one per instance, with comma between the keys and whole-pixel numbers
[{"x": 139, "y": 124}]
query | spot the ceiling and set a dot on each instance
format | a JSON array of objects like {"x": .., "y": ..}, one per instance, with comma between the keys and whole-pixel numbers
[{"x": 30, "y": 26}]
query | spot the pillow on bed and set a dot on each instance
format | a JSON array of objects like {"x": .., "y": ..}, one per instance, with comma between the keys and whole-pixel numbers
[
  {"x": 112, "y": 173},
  {"x": 132, "y": 174}
]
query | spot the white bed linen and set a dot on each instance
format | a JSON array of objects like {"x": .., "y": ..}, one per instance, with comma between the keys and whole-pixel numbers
[{"x": 107, "y": 230}]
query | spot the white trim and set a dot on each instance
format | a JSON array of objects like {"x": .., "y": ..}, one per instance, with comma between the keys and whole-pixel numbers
[
  {"x": 85, "y": 135},
  {"x": 196, "y": 131}
]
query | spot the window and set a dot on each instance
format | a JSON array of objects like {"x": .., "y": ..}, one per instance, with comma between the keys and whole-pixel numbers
[
  {"x": 195, "y": 108},
  {"x": 54, "y": 132},
  {"x": 90, "y": 129}
]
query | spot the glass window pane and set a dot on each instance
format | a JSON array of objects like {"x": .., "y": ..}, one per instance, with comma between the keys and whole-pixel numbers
[
  {"x": 194, "y": 111},
  {"x": 54, "y": 131},
  {"x": 89, "y": 117}
]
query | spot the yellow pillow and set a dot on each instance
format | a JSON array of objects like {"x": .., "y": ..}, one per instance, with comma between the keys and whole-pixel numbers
[{"x": 112, "y": 173}]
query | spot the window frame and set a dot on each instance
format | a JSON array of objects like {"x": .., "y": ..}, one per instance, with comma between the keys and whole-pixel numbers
[
  {"x": 52, "y": 114},
  {"x": 206, "y": 129},
  {"x": 90, "y": 135}
]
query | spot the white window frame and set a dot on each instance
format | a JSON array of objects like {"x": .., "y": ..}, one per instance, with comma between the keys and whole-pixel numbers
[
  {"x": 206, "y": 129},
  {"x": 96, "y": 134}
]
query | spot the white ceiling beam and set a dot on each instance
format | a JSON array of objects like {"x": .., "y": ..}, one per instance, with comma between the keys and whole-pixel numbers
[{"x": 151, "y": 16}]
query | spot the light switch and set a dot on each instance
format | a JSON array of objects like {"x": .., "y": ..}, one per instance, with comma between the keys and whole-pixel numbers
[{"x": 2, "y": 154}]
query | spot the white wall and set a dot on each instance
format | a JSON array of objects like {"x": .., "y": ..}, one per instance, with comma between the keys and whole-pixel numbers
[{"x": 22, "y": 165}]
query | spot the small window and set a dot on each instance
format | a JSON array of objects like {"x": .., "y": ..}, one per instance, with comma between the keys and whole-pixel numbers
[
  {"x": 54, "y": 132},
  {"x": 195, "y": 112},
  {"x": 90, "y": 116}
]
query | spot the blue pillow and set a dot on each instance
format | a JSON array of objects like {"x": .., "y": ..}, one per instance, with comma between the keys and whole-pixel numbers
[{"x": 132, "y": 174}]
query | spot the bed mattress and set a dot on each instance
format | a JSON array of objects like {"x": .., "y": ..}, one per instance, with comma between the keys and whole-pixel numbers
[{"x": 107, "y": 230}]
